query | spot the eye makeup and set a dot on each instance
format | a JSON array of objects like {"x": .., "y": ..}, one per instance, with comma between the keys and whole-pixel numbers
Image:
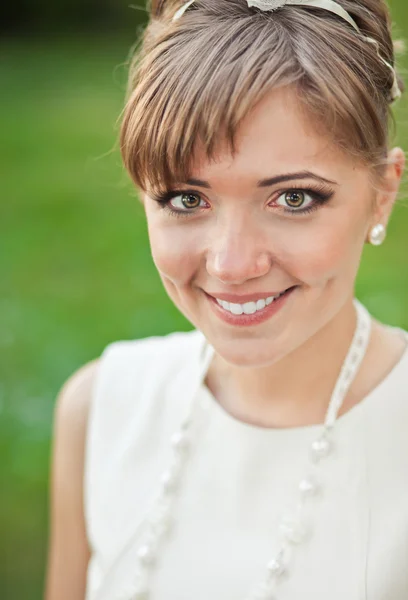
[{"x": 320, "y": 195}]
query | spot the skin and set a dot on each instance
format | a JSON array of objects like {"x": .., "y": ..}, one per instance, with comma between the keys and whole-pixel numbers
[{"x": 278, "y": 373}]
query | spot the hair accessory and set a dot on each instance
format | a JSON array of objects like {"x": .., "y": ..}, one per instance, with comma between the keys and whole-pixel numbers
[
  {"x": 331, "y": 6},
  {"x": 377, "y": 235},
  {"x": 182, "y": 10}
]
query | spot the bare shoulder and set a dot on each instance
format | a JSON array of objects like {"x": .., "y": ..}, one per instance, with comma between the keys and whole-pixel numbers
[
  {"x": 74, "y": 399},
  {"x": 69, "y": 552}
]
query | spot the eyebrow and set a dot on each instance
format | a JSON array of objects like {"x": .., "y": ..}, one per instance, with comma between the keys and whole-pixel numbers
[{"x": 272, "y": 180}]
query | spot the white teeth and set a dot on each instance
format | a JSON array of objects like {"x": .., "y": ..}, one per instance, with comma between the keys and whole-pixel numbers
[
  {"x": 236, "y": 309},
  {"x": 249, "y": 308}
]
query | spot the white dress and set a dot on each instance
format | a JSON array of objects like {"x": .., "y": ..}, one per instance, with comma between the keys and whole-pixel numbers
[{"x": 239, "y": 481}]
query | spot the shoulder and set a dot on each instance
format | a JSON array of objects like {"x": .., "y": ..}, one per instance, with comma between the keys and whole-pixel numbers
[
  {"x": 72, "y": 408},
  {"x": 71, "y": 417},
  {"x": 124, "y": 357},
  {"x": 123, "y": 367},
  {"x": 73, "y": 398},
  {"x": 68, "y": 542},
  {"x": 71, "y": 414}
]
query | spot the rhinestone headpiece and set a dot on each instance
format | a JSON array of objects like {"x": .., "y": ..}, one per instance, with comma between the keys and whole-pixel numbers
[
  {"x": 267, "y": 4},
  {"x": 330, "y": 5}
]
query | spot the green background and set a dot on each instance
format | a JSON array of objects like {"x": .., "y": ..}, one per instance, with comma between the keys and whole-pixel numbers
[{"x": 76, "y": 271}]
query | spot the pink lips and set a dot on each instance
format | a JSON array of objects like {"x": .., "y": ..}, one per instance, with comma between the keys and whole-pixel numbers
[{"x": 247, "y": 320}]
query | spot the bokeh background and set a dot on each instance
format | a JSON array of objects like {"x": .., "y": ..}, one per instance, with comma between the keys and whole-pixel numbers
[{"x": 76, "y": 271}]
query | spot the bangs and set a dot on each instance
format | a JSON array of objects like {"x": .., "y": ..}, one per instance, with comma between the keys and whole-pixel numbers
[
  {"x": 199, "y": 96},
  {"x": 203, "y": 76}
]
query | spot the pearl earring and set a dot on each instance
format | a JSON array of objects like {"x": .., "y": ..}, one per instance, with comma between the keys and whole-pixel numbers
[{"x": 377, "y": 235}]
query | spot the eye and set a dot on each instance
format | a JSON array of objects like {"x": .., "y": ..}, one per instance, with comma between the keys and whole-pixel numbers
[
  {"x": 178, "y": 203},
  {"x": 187, "y": 201},
  {"x": 295, "y": 199},
  {"x": 300, "y": 201},
  {"x": 182, "y": 203}
]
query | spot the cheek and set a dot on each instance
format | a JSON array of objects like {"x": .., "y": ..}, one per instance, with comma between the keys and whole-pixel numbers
[
  {"x": 324, "y": 249},
  {"x": 314, "y": 252},
  {"x": 175, "y": 252}
]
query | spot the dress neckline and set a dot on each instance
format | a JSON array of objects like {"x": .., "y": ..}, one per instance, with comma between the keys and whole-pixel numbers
[{"x": 209, "y": 401}]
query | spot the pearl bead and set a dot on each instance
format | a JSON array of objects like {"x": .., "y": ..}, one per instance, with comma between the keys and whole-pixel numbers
[
  {"x": 308, "y": 487},
  {"x": 146, "y": 555},
  {"x": 170, "y": 479},
  {"x": 276, "y": 567},
  {"x": 377, "y": 235},
  {"x": 180, "y": 441},
  {"x": 321, "y": 448}
]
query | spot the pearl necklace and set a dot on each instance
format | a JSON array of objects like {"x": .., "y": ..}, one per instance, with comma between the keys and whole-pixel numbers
[{"x": 293, "y": 530}]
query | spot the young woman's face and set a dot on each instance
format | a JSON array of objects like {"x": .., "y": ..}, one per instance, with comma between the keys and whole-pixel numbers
[{"x": 238, "y": 233}]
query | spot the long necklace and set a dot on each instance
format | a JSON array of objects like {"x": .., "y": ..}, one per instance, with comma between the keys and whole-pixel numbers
[{"x": 293, "y": 530}]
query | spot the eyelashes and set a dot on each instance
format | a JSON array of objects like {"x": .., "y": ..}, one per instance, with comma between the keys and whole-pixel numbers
[{"x": 320, "y": 196}]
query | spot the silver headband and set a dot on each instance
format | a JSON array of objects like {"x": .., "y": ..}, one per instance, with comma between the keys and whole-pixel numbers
[{"x": 330, "y": 5}]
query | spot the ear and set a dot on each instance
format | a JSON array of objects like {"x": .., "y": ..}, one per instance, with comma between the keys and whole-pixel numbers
[{"x": 387, "y": 195}]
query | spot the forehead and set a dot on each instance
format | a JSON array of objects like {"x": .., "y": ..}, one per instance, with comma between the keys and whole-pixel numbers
[{"x": 277, "y": 136}]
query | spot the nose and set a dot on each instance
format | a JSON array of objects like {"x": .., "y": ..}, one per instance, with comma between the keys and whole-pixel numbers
[{"x": 237, "y": 253}]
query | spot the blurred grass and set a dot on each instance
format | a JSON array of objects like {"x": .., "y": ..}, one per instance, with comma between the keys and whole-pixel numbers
[{"x": 76, "y": 271}]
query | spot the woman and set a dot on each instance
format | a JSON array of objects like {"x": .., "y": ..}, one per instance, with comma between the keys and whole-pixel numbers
[{"x": 264, "y": 453}]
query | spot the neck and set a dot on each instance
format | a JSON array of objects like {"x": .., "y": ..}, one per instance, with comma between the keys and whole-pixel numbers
[{"x": 295, "y": 390}]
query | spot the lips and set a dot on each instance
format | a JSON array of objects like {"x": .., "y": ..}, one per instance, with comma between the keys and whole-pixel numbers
[{"x": 245, "y": 320}]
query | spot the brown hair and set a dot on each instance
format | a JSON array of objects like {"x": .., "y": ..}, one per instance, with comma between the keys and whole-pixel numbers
[{"x": 195, "y": 79}]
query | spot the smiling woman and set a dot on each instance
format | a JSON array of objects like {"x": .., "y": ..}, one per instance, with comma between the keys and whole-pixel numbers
[
  {"x": 245, "y": 233},
  {"x": 262, "y": 455}
]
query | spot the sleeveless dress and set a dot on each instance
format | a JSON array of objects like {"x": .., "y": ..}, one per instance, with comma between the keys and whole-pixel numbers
[{"x": 238, "y": 482}]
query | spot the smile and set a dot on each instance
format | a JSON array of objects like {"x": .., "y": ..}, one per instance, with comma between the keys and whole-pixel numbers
[
  {"x": 249, "y": 313},
  {"x": 249, "y": 308}
]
